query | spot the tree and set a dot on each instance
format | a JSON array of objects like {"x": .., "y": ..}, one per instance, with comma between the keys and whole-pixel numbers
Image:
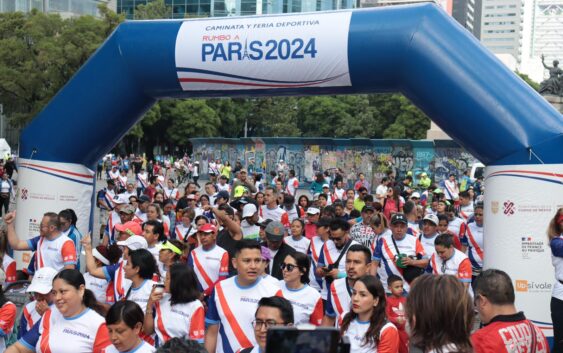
[
  {"x": 191, "y": 118},
  {"x": 153, "y": 10},
  {"x": 529, "y": 81}
]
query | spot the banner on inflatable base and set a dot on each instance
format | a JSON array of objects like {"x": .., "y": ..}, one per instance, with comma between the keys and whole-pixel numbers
[
  {"x": 520, "y": 201},
  {"x": 50, "y": 187}
]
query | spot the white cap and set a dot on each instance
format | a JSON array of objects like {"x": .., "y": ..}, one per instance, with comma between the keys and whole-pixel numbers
[
  {"x": 42, "y": 281},
  {"x": 432, "y": 218},
  {"x": 313, "y": 210},
  {"x": 326, "y": 186},
  {"x": 134, "y": 242},
  {"x": 416, "y": 194},
  {"x": 249, "y": 210}
]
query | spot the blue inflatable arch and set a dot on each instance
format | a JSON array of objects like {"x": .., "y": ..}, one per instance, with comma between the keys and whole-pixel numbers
[{"x": 417, "y": 50}]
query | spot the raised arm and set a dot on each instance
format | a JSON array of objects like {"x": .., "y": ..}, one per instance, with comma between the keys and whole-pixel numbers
[
  {"x": 91, "y": 267},
  {"x": 15, "y": 242}
]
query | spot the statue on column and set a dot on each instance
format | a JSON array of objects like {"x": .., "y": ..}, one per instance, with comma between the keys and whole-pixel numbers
[{"x": 554, "y": 84}]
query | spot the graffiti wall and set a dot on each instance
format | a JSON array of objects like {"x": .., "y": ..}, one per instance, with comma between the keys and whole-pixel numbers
[{"x": 374, "y": 158}]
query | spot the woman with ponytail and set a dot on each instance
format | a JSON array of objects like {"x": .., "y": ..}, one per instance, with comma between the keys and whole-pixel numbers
[
  {"x": 72, "y": 325},
  {"x": 366, "y": 324}
]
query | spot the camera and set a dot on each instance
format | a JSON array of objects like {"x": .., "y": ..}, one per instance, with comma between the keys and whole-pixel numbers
[{"x": 291, "y": 339}]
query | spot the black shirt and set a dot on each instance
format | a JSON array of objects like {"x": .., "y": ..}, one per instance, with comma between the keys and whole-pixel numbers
[{"x": 227, "y": 242}]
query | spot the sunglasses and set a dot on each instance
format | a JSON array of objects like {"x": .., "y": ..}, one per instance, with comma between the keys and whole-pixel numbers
[{"x": 287, "y": 267}]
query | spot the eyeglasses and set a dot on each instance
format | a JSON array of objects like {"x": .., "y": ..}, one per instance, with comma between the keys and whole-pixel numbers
[
  {"x": 258, "y": 324},
  {"x": 287, "y": 267}
]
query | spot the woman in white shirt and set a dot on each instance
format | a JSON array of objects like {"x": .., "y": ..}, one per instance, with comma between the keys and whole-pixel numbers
[
  {"x": 297, "y": 239},
  {"x": 103, "y": 256},
  {"x": 366, "y": 323},
  {"x": 124, "y": 321},
  {"x": 175, "y": 310},
  {"x": 6, "y": 191}
]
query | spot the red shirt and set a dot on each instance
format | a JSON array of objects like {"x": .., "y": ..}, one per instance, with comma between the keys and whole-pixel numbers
[{"x": 509, "y": 333}]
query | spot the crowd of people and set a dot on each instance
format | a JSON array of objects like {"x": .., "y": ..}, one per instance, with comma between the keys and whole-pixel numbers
[{"x": 214, "y": 267}]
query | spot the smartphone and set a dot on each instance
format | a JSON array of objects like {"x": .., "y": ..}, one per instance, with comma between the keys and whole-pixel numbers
[
  {"x": 288, "y": 339},
  {"x": 159, "y": 288}
]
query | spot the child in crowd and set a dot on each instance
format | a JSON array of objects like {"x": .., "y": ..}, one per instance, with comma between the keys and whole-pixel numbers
[{"x": 395, "y": 310}]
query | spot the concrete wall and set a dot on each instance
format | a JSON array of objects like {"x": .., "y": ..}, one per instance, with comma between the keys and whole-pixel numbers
[{"x": 310, "y": 155}]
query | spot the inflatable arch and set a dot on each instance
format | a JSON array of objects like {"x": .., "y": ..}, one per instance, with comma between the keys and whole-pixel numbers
[{"x": 417, "y": 50}]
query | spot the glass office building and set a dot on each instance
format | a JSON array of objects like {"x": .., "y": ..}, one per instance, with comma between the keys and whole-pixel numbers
[
  {"x": 221, "y": 8},
  {"x": 66, "y": 8}
]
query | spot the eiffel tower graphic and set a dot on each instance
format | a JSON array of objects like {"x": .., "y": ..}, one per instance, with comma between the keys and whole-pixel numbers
[{"x": 245, "y": 54}]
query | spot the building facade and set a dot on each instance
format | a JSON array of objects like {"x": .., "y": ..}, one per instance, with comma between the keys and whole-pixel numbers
[
  {"x": 66, "y": 8},
  {"x": 547, "y": 30},
  {"x": 468, "y": 14},
  {"x": 502, "y": 27}
]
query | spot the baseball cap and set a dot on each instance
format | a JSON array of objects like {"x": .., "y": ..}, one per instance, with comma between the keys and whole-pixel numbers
[
  {"x": 399, "y": 218},
  {"x": 42, "y": 281},
  {"x": 190, "y": 197},
  {"x": 128, "y": 209},
  {"x": 207, "y": 228},
  {"x": 326, "y": 186},
  {"x": 313, "y": 210},
  {"x": 438, "y": 191},
  {"x": 415, "y": 195},
  {"x": 263, "y": 223},
  {"x": 131, "y": 228},
  {"x": 239, "y": 191},
  {"x": 134, "y": 242},
  {"x": 249, "y": 210},
  {"x": 169, "y": 246},
  {"x": 432, "y": 218},
  {"x": 144, "y": 198},
  {"x": 274, "y": 231},
  {"x": 222, "y": 194},
  {"x": 367, "y": 208}
]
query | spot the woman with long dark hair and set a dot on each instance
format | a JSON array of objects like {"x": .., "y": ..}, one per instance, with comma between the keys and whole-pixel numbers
[
  {"x": 140, "y": 269},
  {"x": 295, "y": 288},
  {"x": 440, "y": 314},
  {"x": 72, "y": 325},
  {"x": 125, "y": 322},
  {"x": 68, "y": 220},
  {"x": 175, "y": 310},
  {"x": 366, "y": 323},
  {"x": 393, "y": 203}
]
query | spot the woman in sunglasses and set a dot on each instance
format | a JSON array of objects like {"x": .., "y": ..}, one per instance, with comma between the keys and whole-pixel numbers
[{"x": 306, "y": 301}]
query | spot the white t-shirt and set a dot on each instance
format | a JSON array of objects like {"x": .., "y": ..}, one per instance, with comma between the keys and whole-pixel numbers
[
  {"x": 301, "y": 245},
  {"x": 209, "y": 265},
  {"x": 307, "y": 304},
  {"x": 185, "y": 320},
  {"x": 428, "y": 244},
  {"x": 275, "y": 214},
  {"x": 250, "y": 231},
  {"x": 233, "y": 307},
  {"x": 98, "y": 286},
  {"x": 141, "y": 294},
  {"x": 357, "y": 331}
]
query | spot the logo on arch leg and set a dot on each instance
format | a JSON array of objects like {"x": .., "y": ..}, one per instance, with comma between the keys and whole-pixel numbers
[{"x": 509, "y": 208}]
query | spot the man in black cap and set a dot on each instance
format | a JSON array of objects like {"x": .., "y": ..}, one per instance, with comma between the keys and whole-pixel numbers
[
  {"x": 222, "y": 197},
  {"x": 401, "y": 254},
  {"x": 144, "y": 202},
  {"x": 362, "y": 231},
  {"x": 275, "y": 232}
]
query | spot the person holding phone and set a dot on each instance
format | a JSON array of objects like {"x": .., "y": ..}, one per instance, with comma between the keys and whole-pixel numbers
[{"x": 174, "y": 309}]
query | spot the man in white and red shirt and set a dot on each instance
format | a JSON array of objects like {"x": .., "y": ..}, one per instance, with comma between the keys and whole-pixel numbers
[
  {"x": 122, "y": 213},
  {"x": 292, "y": 184},
  {"x": 209, "y": 261},
  {"x": 271, "y": 210},
  {"x": 506, "y": 330},
  {"x": 429, "y": 234},
  {"x": 465, "y": 206},
  {"x": 388, "y": 246},
  {"x": 53, "y": 249},
  {"x": 234, "y": 301},
  {"x": 473, "y": 240},
  {"x": 358, "y": 259},
  {"x": 447, "y": 260}
]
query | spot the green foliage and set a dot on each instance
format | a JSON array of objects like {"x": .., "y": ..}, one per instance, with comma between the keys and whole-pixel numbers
[
  {"x": 153, "y": 10},
  {"x": 529, "y": 81}
]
